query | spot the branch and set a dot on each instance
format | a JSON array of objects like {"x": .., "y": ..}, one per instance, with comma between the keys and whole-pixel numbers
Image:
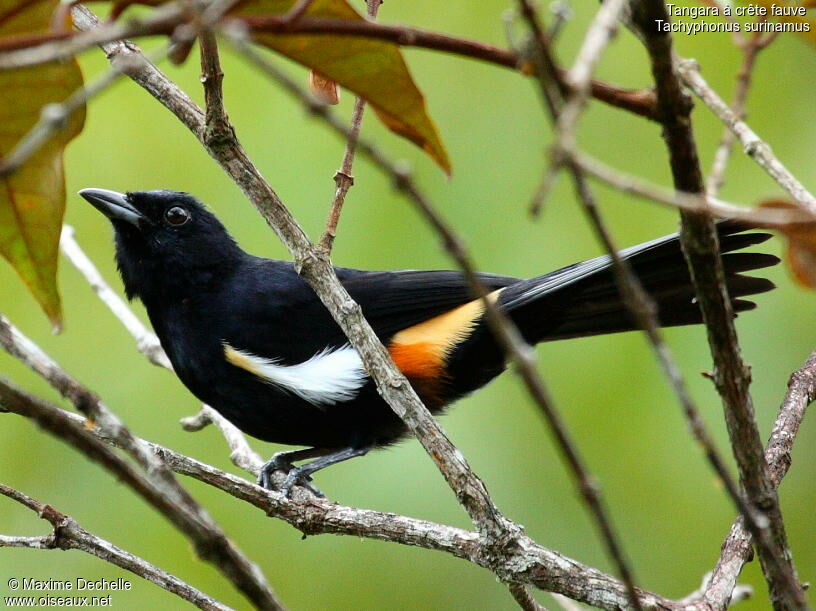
[
  {"x": 68, "y": 534},
  {"x": 530, "y": 563},
  {"x": 523, "y": 598},
  {"x": 241, "y": 453},
  {"x": 750, "y": 50},
  {"x": 628, "y": 183},
  {"x": 546, "y": 569},
  {"x": 639, "y": 102},
  {"x": 18, "y": 52},
  {"x": 731, "y": 375},
  {"x": 736, "y": 550},
  {"x": 157, "y": 485},
  {"x": 754, "y": 146},
  {"x": 600, "y": 33},
  {"x": 146, "y": 342},
  {"x": 539, "y": 567}
]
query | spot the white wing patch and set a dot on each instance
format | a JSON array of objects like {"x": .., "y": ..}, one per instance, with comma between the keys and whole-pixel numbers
[{"x": 330, "y": 376}]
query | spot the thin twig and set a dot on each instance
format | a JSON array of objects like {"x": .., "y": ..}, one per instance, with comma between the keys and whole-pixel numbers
[
  {"x": 628, "y": 183},
  {"x": 731, "y": 375},
  {"x": 603, "y": 28},
  {"x": 241, "y": 453},
  {"x": 756, "y": 148},
  {"x": 552, "y": 93},
  {"x": 146, "y": 342},
  {"x": 750, "y": 51},
  {"x": 545, "y": 187},
  {"x": 157, "y": 485},
  {"x": 68, "y": 534},
  {"x": 523, "y": 598},
  {"x": 343, "y": 178},
  {"x": 297, "y": 11},
  {"x": 218, "y": 128}
]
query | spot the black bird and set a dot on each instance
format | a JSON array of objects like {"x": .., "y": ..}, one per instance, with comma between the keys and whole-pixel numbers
[{"x": 249, "y": 337}]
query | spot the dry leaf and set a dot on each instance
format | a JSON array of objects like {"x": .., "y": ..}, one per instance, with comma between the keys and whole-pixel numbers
[{"x": 801, "y": 248}]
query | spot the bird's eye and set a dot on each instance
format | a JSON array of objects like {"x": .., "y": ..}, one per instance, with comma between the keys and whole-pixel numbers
[{"x": 177, "y": 216}]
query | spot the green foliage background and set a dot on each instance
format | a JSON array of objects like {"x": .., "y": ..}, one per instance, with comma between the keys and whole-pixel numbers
[{"x": 667, "y": 506}]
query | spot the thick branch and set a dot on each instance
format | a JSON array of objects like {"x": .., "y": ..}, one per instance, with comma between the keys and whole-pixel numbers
[
  {"x": 731, "y": 375},
  {"x": 736, "y": 550},
  {"x": 529, "y": 563}
]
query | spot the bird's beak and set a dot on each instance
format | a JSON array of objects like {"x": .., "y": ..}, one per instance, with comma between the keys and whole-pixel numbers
[{"x": 113, "y": 205}]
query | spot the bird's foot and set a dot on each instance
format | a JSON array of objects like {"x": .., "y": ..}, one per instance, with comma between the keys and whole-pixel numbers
[
  {"x": 299, "y": 475},
  {"x": 294, "y": 475}
]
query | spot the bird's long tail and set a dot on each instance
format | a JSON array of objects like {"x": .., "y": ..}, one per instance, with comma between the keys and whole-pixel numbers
[{"x": 583, "y": 299}]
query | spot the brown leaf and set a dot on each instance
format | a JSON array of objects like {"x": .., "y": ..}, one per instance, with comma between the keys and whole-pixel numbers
[
  {"x": 801, "y": 248},
  {"x": 373, "y": 69},
  {"x": 324, "y": 89},
  {"x": 32, "y": 200}
]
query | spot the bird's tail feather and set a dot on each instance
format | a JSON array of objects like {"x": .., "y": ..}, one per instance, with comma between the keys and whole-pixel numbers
[{"x": 583, "y": 299}]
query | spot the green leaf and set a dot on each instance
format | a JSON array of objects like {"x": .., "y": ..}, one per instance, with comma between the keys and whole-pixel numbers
[
  {"x": 373, "y": 69},
  {"x": 32, "y": 200}
]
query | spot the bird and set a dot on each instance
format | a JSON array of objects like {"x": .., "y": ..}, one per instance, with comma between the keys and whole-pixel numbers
[{"x": 249, "y": 337}]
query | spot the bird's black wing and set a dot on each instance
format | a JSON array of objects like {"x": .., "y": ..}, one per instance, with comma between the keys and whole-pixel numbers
[
  {"x": 275, "y": 314},
  {"x": 395, "y": 300}
]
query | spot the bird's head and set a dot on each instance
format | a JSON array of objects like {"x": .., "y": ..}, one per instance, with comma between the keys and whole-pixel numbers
[{"x": 166, "y": 241}]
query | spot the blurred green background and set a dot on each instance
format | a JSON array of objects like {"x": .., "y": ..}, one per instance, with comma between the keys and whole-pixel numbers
[{"x": 667, "y": 505}]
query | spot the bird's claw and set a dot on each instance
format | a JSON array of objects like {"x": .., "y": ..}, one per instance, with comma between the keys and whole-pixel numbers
[{"x": 294, "y": 475}]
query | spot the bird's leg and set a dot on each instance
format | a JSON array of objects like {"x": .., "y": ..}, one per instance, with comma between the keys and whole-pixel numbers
[
  {"x": 282, "y": 461},
  {"x": 327, "y": 458}
]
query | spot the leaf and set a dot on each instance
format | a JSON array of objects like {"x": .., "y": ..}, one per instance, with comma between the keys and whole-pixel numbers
[
  {"x": 373, "y": 69},
  {"x": 801, "y": 249},
  {"x": 323, "y": 89},
  {"x": 32, "y": 200}
]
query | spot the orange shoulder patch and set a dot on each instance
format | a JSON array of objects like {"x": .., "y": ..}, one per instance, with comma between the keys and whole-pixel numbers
[
  {"x": 419, "y": 360},
  {"x": 420, "y": 351}
]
